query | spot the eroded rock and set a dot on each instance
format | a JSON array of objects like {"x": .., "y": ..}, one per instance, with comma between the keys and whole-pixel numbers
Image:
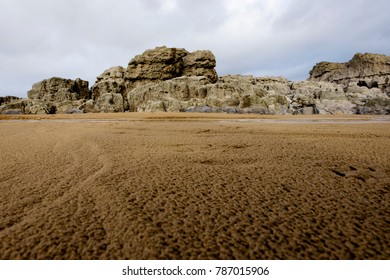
[
  {"x": 175, "y": 80},
  {"x": 59, "y": 89}
]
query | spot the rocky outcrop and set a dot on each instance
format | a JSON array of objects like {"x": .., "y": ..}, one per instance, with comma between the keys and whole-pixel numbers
[
  {"x": 239, "y": 94},
  {"x": 59, "y": 90},
  {"x": 174, "y": 80},
  {"x": 364, "y": 70},
  {"x": 164, "y": 63},
  {"x": 8, "y": 99},
  {"x": 51, "y": 96},
  {"x": 365, "y": 79},
  {"x": 200, "y": 63},
  {"x": 159, "y": 64},
  {"x": 109, "y": 90}
]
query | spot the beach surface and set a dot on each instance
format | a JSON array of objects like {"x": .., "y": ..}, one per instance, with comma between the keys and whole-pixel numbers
[{"x": 194, "y": 186}]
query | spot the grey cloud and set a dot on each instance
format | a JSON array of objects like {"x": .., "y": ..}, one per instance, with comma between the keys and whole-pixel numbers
[{"x": 72, "y": 39}]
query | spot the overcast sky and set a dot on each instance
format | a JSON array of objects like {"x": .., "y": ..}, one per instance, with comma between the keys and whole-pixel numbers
[{"x": 82, "y": 38}]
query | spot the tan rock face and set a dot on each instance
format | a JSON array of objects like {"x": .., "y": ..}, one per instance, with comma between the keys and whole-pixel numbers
[
  {"x": 109, "y": 90},
  {"x": 173, "y": 79},
  {"x": 151, "y": 67},
  {"x": 236, "y": 94},
  {"x": 369, "y": 70},
  {"x": 59, "y": 89},
  {"x": 161, "y": 63},
  {"x": 8, "y": 99},
  {"x": 200, "y": 63}
]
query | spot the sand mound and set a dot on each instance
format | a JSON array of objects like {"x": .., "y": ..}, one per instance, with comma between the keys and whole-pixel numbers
[{"x": 154, "y": 186}]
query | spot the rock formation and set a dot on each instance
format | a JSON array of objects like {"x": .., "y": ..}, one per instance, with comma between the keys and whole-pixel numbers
[
  {"x": 8, "y": 99},
  {"x": 364, "y": 70},
  {"x": 110, "y": 91},
  {"x": 200, "y": 63},
  {"x": 235, "y": 94},
  {"x": 173, "y": 79},
  {"x": 50, "y": 96},
  {"x": 10, "y": 109},
  {"x": 164, "y": 63},
  {"x": 59, "y": 90}
]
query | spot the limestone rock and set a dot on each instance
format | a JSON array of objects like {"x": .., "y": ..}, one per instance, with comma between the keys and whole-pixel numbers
[
  {"x": 161, "y": 63},
  {"x": 29, "y": 106},
  {"x": 365, "y": 70},
  {"x": 108, "y": 85},
  {"x": 324, "y": 71},
  {"x": 110, "y": 81},
  {"x": 173, "y": 79},
  {"x": 318, "y": 98},
  {"x": 8, "y": 99},
  {"x": 89, "y": 107},
  {"x": 200, "y": 63},
  {"x": 59, "y": 89},
  {"x": 236, "y": 93},
  {"x": 70, "y": 106},
  {"x": 38, "y": 106},
  {"x": 110, "y": 103},
  {"x": 164, "y": 63}
]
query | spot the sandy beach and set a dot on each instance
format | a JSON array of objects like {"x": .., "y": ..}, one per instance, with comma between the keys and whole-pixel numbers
[{"x": 194, "y": 186}]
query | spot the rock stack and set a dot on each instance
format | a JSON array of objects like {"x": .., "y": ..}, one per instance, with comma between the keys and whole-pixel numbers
[{"x": 173, "y": 79}]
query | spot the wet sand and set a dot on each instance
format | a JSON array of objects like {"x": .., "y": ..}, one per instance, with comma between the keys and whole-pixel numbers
[{"x": 194, "y": 186}]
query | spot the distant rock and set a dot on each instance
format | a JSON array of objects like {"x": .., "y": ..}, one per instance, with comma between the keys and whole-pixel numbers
[
  {"x": 8, "y": 99},
  {"x": 110, "y": 103},
  {"x": 175, "y": 80},
  {"x": 149, "y": 68},
  {"x": 241, "y": 94},
  {"x": 368, "y": 70},
  {"x": 109, "y": 90},
  {"x": 161, "y": 63},
  {"x": 51, "y": 96},
  {"x": 200, "y": 63},
  {"x": 110, "y": 81},
  {"x": 164, "y": 63},
  {"x": 59, "y": 90}
]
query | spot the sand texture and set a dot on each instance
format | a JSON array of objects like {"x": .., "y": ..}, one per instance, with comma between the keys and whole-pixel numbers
[{"x": 174, "y": 186}]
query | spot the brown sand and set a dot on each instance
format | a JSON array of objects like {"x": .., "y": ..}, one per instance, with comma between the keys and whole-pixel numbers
[{"x": 194, "y": 186}]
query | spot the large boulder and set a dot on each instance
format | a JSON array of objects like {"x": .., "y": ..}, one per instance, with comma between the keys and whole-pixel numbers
[
  {"x": 8, "y": 99},
  {"x": 239, "y": 94},
  {"x": 59, "y": 90},
  {"x": 54, "y": 95},
  {"x": 173, "y": 79},
  {"x": 164, "y": 63},
  {"x": 364, "y": 70},
  {"x": 110, "y": 81},
  {"x": 149, "y": 70},
  {"x": 107, "y": 88},
  {"x": 110, "y": 103},
  {"x": 157, "y": 64},
  {"x": 200, "y": 63}
]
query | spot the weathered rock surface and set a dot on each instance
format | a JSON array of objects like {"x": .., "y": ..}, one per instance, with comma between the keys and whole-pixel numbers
[
  {"x": 50, "y": 96},
  {"x": 164, "y": 63},
  {"x": 59, "y": 90},
  {"x": 200, "y": 63},
  {"x": 364, "y": 70},
  {"x": 240, "y": 94},
  {"x": 173, "y": 79},
  {"x": 8, "y": 99},
  {"x": 109, "y": 90},
  {"x": 151, "y": 67},
  {"x": 161, "y": 63}
]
